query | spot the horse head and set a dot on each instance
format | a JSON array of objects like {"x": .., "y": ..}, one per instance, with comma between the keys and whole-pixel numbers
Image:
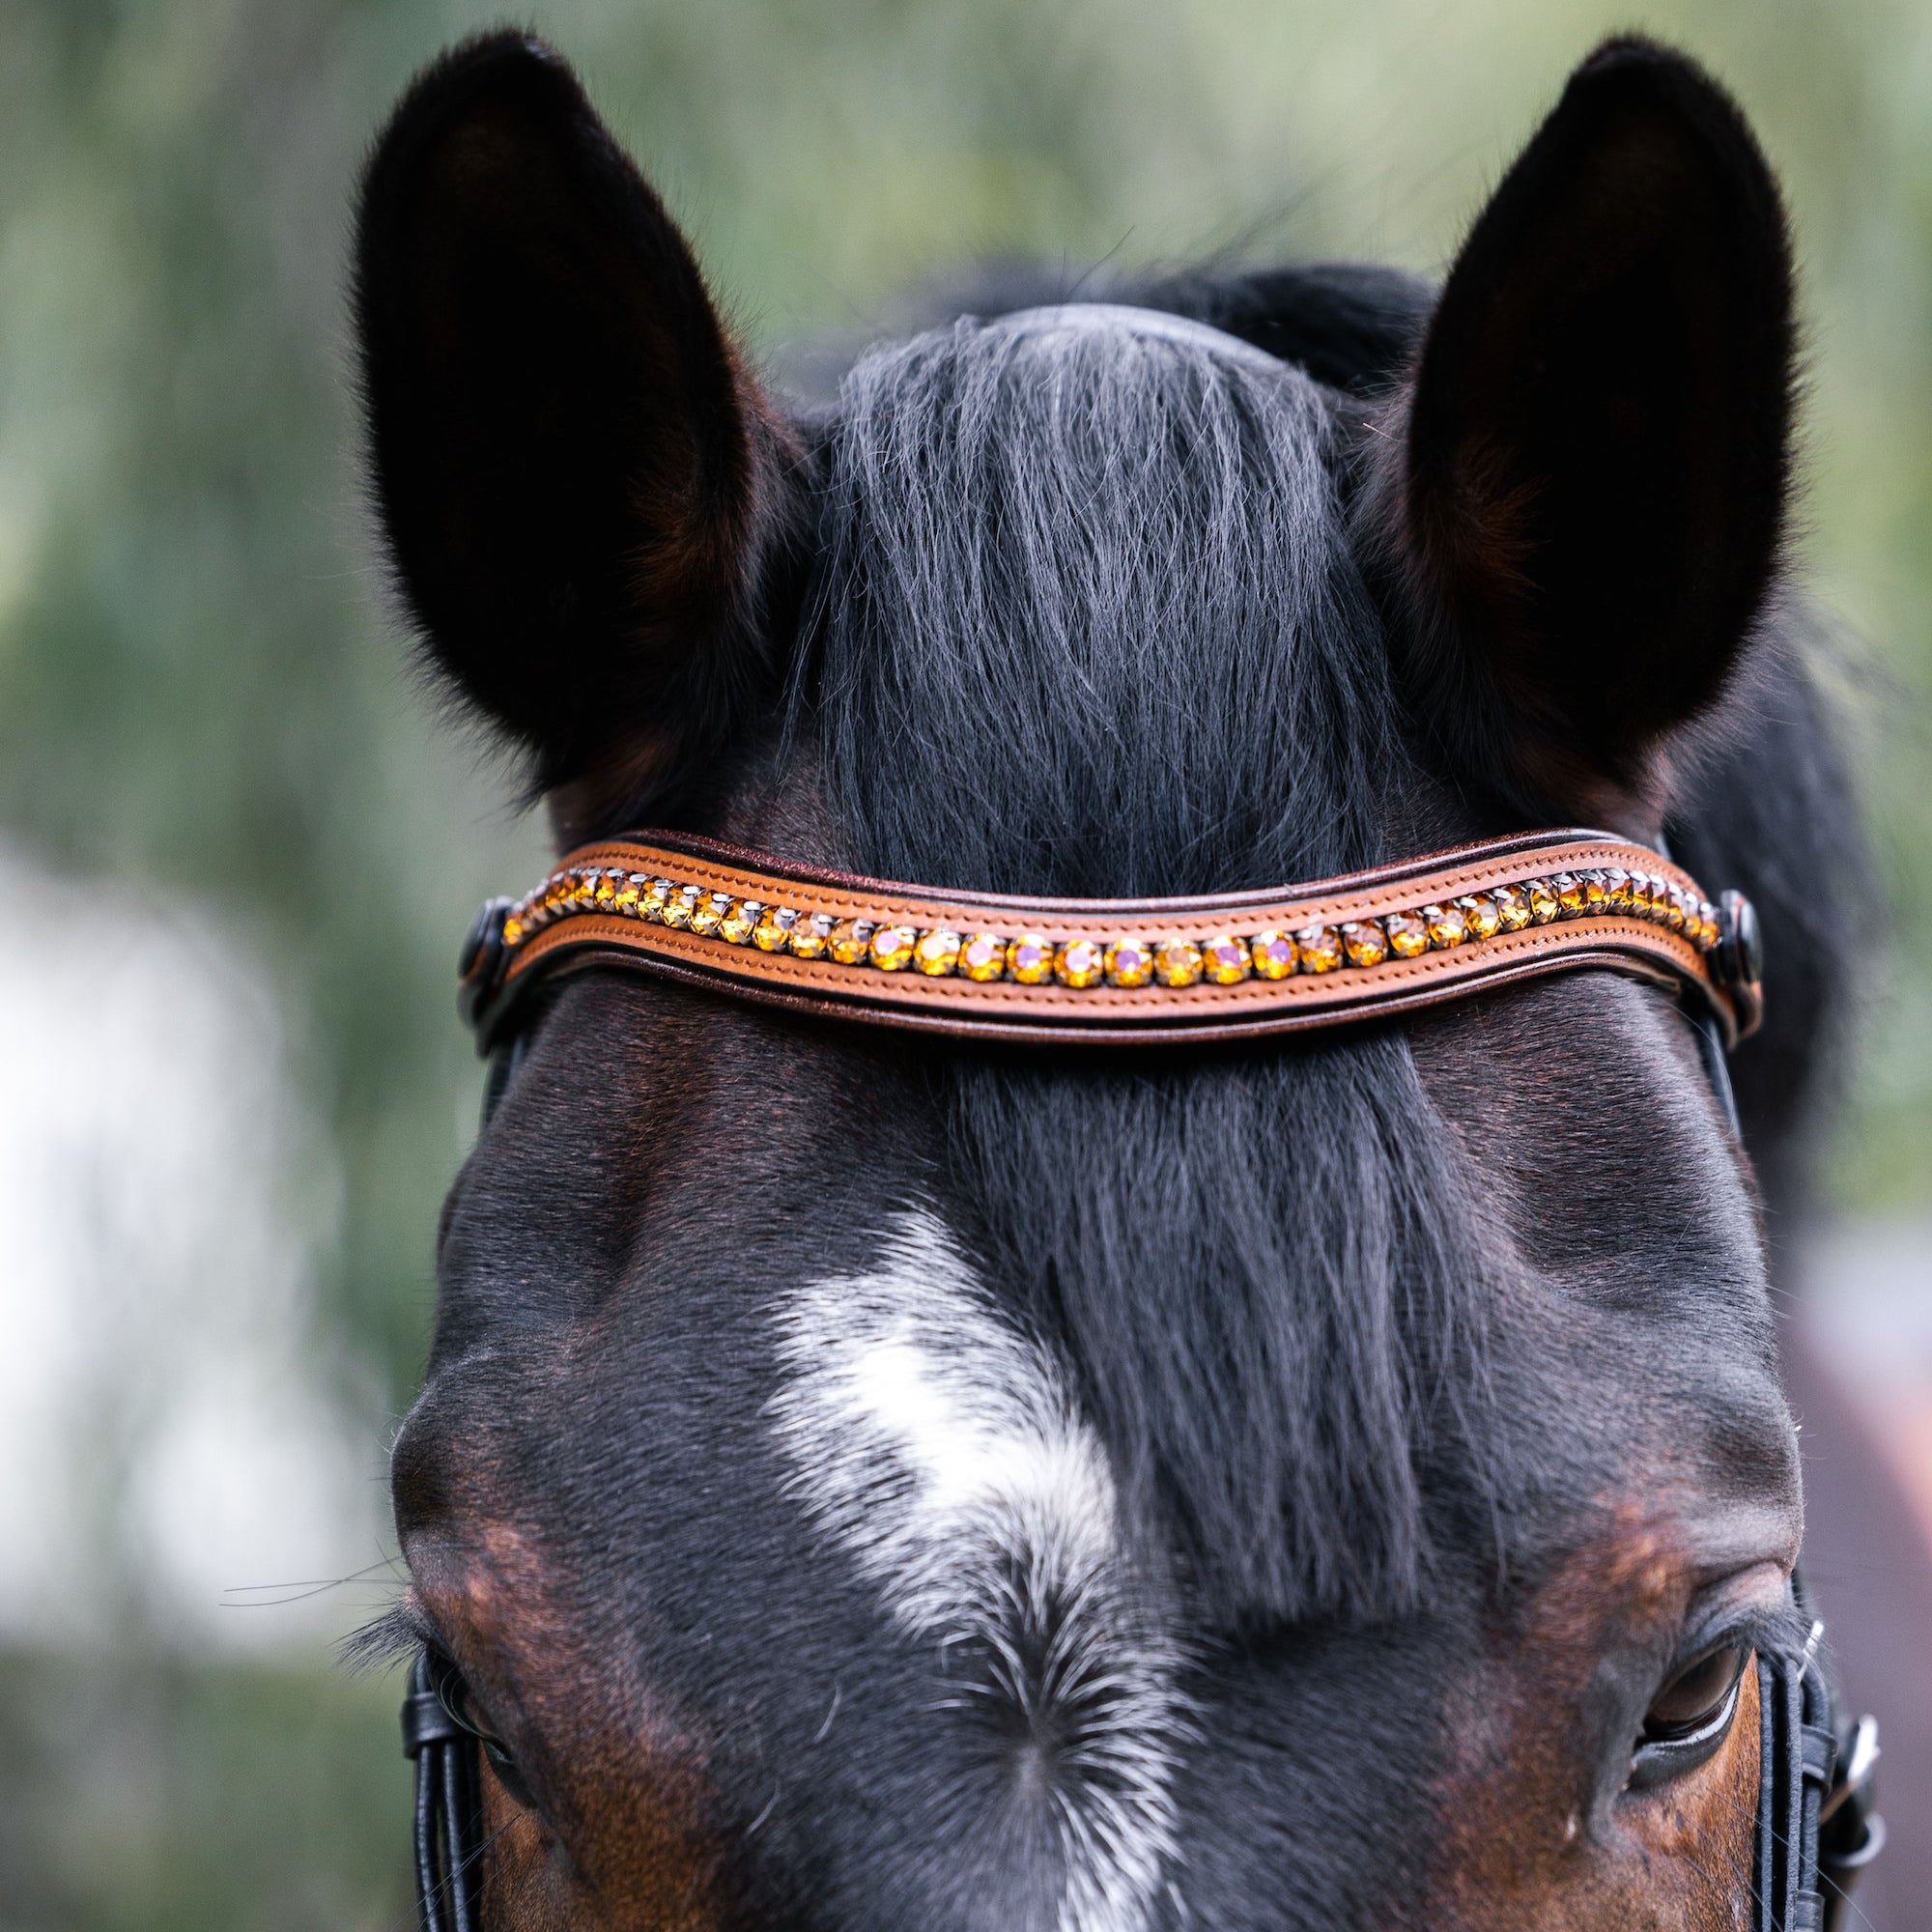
[{"x": 870, "y": 1480}]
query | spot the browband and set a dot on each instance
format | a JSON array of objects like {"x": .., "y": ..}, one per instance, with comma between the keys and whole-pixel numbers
[{"x": 1119, "y": 971}]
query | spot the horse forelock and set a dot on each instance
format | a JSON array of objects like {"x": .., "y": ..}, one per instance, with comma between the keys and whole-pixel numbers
[{"x": 1089, "y": 621}]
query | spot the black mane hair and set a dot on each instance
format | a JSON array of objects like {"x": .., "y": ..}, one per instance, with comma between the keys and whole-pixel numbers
[{"x": 1089, "y": 622}]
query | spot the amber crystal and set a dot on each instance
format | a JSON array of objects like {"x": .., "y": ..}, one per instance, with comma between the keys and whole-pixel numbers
[
  {"x": 708, "y": 915},
  {"x": 1030, "y": 959},
  {"x": 1675, "y": 907},
  {"x": 603, "y": 892},
  {"x": 1446, "y": 926},
  {"x": 1480, "y": 917},
  {"x": 937, "y": 952},
  {"x": 984, "y": 957},
  {"x": 679, "y": 907},
  {"x": 624, "y": 900},
  {"x": 892, "y": 948},
  {"x": 810, "y": 936},
  {"x": 1707, "y": 925},
  {"x": 1319, "y": 948},
  {"x": 1274, "y": 954},
  {"x": 1176, "y": 962},
  {"x": 1407, "y": 935},
  {"x": 1364, "y": 942},
  {"x": 1544, "y": 904},
  {"x": 513, "y": 929},
  {"x": 1224, "y": 960},
  {"x": 1569, "y": 891},
  {"x": 1616, "y": 889},
  {"x": 1644, "y": 894},
  {"x": 1080, "y": 963},
  {"x": 651, "y": 902},
  {"x": 848, "y": 941},
  {"x": 773, "y": 931},
  {"x": 1129, "y": 962},
  {"x": 1512, "y": 911},
  {"x": 740, "y": 922}
]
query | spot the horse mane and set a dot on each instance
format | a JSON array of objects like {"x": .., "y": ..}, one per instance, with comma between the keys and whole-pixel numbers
[
  {"x": 1770, "y": 806},
  {"x": 1088, "y": 621}
]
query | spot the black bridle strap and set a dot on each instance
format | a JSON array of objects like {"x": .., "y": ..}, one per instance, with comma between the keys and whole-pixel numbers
[
  {"x": 1817, "y": 1829},
  {"x": 448, "y": 1843},
  {"x": 1794, "y": 1767}
]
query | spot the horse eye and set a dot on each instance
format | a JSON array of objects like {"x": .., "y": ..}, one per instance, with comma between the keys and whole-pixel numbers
[
  {"x": 507, "y": 1774},
  {"x": 453, "y": 1694},
  {"x": 1691, "y": 1716},
  {"x": 1695, "y": 1700}
]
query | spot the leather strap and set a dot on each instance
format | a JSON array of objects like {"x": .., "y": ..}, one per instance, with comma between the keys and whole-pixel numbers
[
  {"x": 1817, "y": 1830},
  {"x": 1119, "y": 972},
  {"x": 447, "y": 1840}
]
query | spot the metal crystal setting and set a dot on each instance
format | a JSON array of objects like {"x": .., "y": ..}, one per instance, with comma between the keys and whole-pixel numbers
[{"x": 1173, "y": 961}]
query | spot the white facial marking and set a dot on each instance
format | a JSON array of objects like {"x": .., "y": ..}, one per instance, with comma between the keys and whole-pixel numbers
[{"x": 942, "y": 1448}]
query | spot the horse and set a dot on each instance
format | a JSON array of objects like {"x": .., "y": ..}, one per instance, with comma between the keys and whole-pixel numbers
[{"x": 879, "y": 1477}]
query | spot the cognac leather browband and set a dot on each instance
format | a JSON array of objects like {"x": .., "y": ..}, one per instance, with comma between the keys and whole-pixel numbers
[{"x": 1119, "y": 971}]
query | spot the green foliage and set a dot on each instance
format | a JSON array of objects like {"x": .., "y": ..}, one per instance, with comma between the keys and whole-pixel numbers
[
  {"x": 207, "y": 1796},
  {"x": 197, "y": 688}
]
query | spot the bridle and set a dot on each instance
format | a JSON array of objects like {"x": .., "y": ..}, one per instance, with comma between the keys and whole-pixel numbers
[{"x": 1086, "y": 973}]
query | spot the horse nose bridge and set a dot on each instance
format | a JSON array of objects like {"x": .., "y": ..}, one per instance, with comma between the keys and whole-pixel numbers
[{"x": 1262, "y": 1812}]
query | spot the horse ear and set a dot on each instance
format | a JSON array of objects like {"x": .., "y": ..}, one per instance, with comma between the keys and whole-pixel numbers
[
  {"x": 576, "y": 476},
  {"x": 1598, "y": 445}
]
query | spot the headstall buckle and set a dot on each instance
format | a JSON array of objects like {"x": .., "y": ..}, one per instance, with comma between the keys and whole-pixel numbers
[
  {"x": 483, "y": 961},
  {"x": 1737, "y": 960}
]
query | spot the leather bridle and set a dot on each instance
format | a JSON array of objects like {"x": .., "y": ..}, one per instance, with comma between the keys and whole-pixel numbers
[{"x": 1089, "y": 974}]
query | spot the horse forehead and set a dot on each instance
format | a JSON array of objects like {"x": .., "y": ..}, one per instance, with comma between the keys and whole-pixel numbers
[{"x": 940, "y": 1446}]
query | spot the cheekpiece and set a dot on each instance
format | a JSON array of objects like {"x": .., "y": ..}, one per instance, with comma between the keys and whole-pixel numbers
[{"x": 1119, "y": 971}]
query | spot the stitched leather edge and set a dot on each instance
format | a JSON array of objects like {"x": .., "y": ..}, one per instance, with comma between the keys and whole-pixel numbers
[{"x": 1115, "y": 1016}]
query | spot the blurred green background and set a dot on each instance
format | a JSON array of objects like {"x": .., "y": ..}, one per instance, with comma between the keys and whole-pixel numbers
[{"x": 209, "y": 747}]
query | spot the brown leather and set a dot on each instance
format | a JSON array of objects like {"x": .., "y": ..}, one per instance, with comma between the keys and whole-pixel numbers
[{"x": 1103, "y": 1014}]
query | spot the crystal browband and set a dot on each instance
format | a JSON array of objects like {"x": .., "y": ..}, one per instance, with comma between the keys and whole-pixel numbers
[{"x": 1113, "y": 971}]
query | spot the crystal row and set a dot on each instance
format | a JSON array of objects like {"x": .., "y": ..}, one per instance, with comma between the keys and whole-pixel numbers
[{"x": 1131, "y": 960}]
